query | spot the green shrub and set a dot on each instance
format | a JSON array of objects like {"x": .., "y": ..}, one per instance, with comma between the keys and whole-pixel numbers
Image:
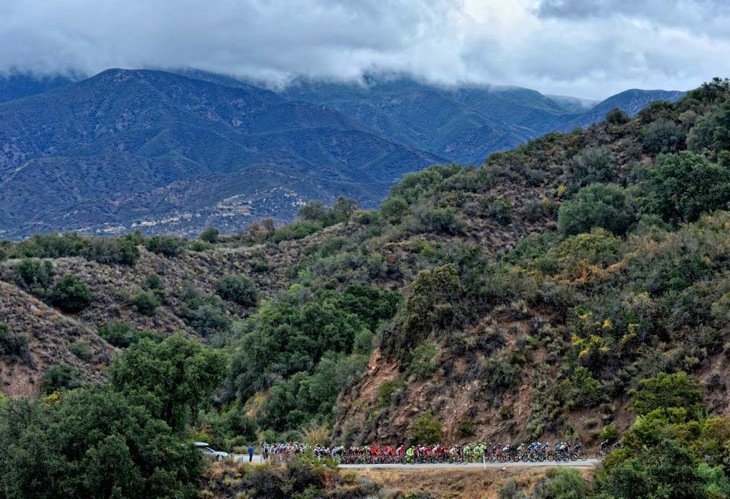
[
  {"x": 35, "y": 275},
  {"x": 112, "y": 251},
  {"x": 617, "y": 116},
  {"x": 442, "y": 220},
  {"x": 81, "y": 349},
  {"x": 585, "y": 390},
  {"x": 208, "y": 319},
  {"x": 13, "y": 345},
  {"x": 123, "y": 334},
  {"x": 609, "y": 433},
  {"x": 421, "y": 365},
  {"x": 712, "y": 132},
  {"x": 199, "y": 246},
  {"x": 210, "y": 235},
  {"x": 168, "y": 246},
  {"x": 501, "y": 376},
  {"x": 61, "y": 377},
  {"x": 393, "y": 209},
  {"x": 598, "y": 205},
  {"x": 561, "y": 484},
  {"x": 667, "y": 391},
  {"x": 593, "y": 165},
  {"x": 145, "y": 303},
  {"x": 425, "y": 430},
  {"x": 387, "y": 389},
  {"x": 500, "y": 211},
  {"x": 71, "y": 295},
  {"x": 154, "y": 283},
  {"x": 663, "y": 136},
  {"x": 238, "y": 289},
  {"x": 683, "y": 186}
]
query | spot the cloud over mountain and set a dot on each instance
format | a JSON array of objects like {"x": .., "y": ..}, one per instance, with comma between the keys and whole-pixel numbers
[{"x": 585, "y": 48}]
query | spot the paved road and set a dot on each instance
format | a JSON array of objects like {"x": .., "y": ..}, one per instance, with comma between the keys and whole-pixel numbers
[{"x": 591, "y": 463}]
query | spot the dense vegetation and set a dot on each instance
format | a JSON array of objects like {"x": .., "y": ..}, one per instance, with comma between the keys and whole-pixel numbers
[
  {"x": 121, "y": 440},
  {"x": 575, "y": 288}
]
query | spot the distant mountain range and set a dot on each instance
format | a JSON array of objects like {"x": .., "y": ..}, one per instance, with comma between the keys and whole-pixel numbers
[{"x": 177, "y": 152}]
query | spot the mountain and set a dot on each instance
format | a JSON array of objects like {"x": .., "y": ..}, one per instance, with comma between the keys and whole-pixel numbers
[
  {"x": 177, "y": 152},
  {"x": 18, "y": 85},
  {"x": 140, "y": 146},
  {"x": 630, "y": 101},
  {"x": 463, "y": 124}
]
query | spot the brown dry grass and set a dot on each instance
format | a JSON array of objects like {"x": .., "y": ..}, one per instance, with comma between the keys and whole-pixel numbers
[{"x": 471, "y": 483}]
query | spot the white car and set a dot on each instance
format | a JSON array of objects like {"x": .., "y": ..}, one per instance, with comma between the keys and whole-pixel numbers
[{"x": 210, "y": 452}]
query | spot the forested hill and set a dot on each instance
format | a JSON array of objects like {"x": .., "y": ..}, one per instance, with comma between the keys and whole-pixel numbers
[
  {"x": 556, "y": 292},
  {"x": 174, "y": 153}
]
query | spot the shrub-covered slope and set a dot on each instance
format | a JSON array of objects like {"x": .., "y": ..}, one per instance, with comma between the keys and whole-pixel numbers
[{"x": 523, "y": 299}]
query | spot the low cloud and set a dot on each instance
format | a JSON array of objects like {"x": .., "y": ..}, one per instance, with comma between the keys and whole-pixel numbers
[{"x": 587, "y": 48}]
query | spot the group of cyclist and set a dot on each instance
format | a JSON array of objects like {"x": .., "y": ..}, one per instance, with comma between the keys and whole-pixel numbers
[{"x": 403, "y": 454}]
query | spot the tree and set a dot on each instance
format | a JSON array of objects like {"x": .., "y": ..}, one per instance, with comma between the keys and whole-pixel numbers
[
  {"x": 93, "y": 443},
  {"x": 71, "y": 295},
  {"x": 180, "y": 373}
]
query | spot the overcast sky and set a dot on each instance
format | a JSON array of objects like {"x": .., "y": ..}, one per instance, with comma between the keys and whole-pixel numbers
[{"x": 584, "y": 48}]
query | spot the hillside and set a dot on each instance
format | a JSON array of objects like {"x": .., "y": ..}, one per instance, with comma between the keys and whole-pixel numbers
[{"x": 557, "y": 292}]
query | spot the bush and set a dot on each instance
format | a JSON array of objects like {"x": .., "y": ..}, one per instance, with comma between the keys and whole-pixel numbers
[
  {"x": 667, "y": 391},
  {"x": 442, "y": 220},
  {"x": 617, "y": 116},
  {"x": 93, "y": 443},
  {"x": 598, "y": 205},
  {"x": 71, "y": 295},
  {"x": 500, "y": 211},
  {"x": 387, "y": 389},
  {"x": 13, "y": 345},
  {"x": 393, "y": 209},
  {"x": 711, "y": 132},
  {"x": 238, "y": 289},
  {"x": 198, "y": 246},
  {"x": 34, "y": 275},
  {"x": 501, "y": 376},
  {"x": 168, "y": 246},
  {"x": 425, "y": 430},
  {"x": 421, "y": 365},
  {"x": 81, "y": 349},
  {"x": 154, "y": 283},
  {"x": 593, "y": 165},
  {"x": 609, "y": 433},
  {"x": 210, "y": 235},
  {"x": 683, "y": 186},
  {"x": 61, "y": 377},
  {"x": 110, "y": 251},
  {"x": 663, "y": 136},
  {"x": 145, "y": 303},
  {"x": 123, "y": 334}
]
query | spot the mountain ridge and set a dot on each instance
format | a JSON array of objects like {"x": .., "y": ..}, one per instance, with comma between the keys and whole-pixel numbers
[{"x": 106, "y": 154}]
